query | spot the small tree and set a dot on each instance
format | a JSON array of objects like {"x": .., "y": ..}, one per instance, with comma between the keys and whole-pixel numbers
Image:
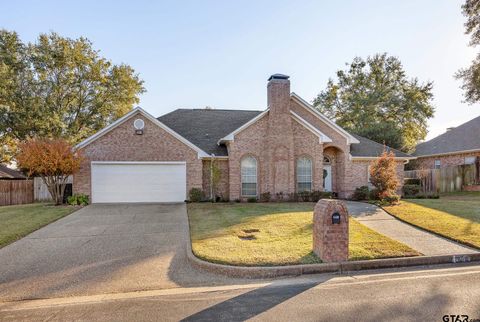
[
  {"x": 383, "y": 175},
  {"x": 52, "y": 160}
]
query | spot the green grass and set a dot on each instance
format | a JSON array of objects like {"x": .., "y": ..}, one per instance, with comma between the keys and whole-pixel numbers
[
  {"x": 20, "y": 220},
  {"x": 454, "y": 215},
  {"x": 284, "y": 235}
]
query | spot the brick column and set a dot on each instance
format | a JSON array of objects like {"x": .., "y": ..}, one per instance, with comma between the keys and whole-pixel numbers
[{"x": 330, "y": 240}]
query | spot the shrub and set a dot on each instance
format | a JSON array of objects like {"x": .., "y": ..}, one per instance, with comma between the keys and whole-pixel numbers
[
  {"x": 279, "y": 196},
  {"x": 316, "y": 195},
  {"x": 391, "y": 199},
  {"x": 293, "y": 197},
  {"x": 413, "y": 181},
  {"x": 411, "y": 190},
  {"x": 374, "y": 194},
  {"x": 78, "y": 200},
  {"x": 237, "y": 200},
  {"x": 252, "y": 199},
  {"x": 361, "y": 193},
  {"x": 304, "y": 196},
  {"x": 265, "y": 197},
  {"x": 196, "y": 195}
]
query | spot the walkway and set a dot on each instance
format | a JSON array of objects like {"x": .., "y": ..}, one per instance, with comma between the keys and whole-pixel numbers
[{"x": 420, "y": 240}]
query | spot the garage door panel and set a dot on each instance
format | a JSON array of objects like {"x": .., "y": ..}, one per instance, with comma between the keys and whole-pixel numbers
[{"x": 137, "y": 182}]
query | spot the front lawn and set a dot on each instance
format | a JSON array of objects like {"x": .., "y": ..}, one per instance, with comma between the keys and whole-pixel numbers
[
  {"x": 455, "y": 215},
  {"x": 20, "y": 220},
  {"x": 273, "y": 234}
]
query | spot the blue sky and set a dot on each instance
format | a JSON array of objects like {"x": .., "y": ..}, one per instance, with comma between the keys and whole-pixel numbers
[{"x": 220, "y": 53}]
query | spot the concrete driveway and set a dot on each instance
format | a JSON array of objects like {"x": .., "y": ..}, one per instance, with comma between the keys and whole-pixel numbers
[{"x": 103, "y": 249}]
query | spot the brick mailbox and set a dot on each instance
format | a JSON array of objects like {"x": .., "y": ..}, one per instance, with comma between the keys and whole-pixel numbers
[{"x": 330, "y": 230}]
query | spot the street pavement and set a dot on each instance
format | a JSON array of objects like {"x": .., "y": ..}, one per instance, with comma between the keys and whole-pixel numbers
[{"x": 422, "y": 294}]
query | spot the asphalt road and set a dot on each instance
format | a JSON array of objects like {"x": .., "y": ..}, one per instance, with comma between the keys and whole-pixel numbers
[{"x": 418, "y": 295}]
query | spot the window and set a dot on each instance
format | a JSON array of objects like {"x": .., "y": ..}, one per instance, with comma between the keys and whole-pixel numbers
[
  {"x": 249, "y": 176},
  {"x": 304, "y": 174},
  {"x": 437, "y": 164},
  {"x": 470, "y": 160},
  {"x": 326, "y": 160}
]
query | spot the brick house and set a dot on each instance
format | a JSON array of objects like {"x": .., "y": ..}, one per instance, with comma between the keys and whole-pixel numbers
[
  {"x": 457, "y": 146},
  {"x": 287, "y": 148}
]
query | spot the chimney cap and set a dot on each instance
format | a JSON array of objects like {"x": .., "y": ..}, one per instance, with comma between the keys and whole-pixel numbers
[{"x": 278, "y": 76}]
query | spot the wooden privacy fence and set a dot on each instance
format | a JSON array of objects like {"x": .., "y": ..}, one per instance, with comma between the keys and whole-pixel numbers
[
  {"x": 16, "y": 192},
  {"x": 447, "y": 179}
]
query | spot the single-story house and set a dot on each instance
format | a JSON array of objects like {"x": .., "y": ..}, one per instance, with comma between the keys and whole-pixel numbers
[
  {"x": 288, "y": 147},
  {"x": 10, "y": 174},
  {"x": 457, "y": 146}
]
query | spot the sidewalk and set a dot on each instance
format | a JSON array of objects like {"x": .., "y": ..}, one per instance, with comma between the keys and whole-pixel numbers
[{"x": 420, "y": 240}]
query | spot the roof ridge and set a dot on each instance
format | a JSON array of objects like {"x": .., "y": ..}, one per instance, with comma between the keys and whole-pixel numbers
[{"x": 453, "y": 130}]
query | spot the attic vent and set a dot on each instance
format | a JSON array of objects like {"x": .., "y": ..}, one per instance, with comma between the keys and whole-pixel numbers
[{"x": 138, "y": 124}]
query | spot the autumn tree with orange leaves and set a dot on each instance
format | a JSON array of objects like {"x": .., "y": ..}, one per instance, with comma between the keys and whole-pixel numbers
[
  {"x": 52, "y": 160},
  {"x": 383, "y": 175}
]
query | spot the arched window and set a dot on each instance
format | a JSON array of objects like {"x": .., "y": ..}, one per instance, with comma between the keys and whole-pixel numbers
[
  {"x": 249, "y": 176},
  {"x": 304, "y": 174}
]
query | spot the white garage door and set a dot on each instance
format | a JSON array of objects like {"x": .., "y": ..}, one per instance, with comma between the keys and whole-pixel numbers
[{"x": 138, "y": 182}]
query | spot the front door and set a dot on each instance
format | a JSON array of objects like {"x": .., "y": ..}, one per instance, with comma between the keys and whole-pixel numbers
[{"x": 327, "y": 178}]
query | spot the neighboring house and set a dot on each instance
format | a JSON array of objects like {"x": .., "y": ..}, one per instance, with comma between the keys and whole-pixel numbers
[
  {"x": 457, "y": 146},
  {"x": 10, "y": 174},
  {"x": 289, "y": 147}
]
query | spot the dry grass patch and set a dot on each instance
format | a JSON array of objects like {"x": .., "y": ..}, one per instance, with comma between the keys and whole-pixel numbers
[{"x": 273, "y": 234}]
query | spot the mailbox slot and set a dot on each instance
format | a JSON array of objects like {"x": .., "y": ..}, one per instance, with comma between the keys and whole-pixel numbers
[{"x": 336, "y": 218}]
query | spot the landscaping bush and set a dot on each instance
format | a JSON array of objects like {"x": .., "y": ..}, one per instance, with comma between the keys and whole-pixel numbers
[
  {"x": 316, "y": 195},
  {"x": 293, "y": 197},
  {"x": 279, "y": 196},
  {"x": 374, "y": 194},
  {"x": 304, "y": 196},
  {"x": 78, "y": 200},
  {"x": 196, "y": 195},
  {"x": 391, "y": 199},
  {"x": 411, "y": 190},
  {"x": 361, "y": 193},
  {"x": 252, "y": 199},
  {"x": 413, "y": 181},
  {"x": 265, "y": 197}
]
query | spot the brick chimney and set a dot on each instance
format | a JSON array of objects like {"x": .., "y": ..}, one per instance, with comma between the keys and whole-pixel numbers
[
  {"x": 278, "y": 147},
  {"x": 278, "y": 89}
]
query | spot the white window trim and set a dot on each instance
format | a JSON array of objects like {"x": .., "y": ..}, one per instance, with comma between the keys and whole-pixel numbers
[
  {"x": 435, "y": 164},
  {"x": 311, "y": 174},
  {"x": 256, "y": 178}
]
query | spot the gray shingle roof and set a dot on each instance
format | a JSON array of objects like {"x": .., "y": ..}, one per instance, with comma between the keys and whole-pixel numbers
[
  {"x": 205, "y": 127},
  {"x": 461, "y": 138},
  {"x": 369, "y": 148},
  {"x": 7, "y": 173}
]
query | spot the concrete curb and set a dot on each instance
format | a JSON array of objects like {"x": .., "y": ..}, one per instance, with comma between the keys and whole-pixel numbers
[{"x": 289, "y": 270}]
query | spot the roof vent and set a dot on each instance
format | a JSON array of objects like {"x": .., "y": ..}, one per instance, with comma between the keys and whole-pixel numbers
[
  {"x": 278, "y": 76},
  {"x": 208, "y": 107},
  {"x": 450, "y": 128}
]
